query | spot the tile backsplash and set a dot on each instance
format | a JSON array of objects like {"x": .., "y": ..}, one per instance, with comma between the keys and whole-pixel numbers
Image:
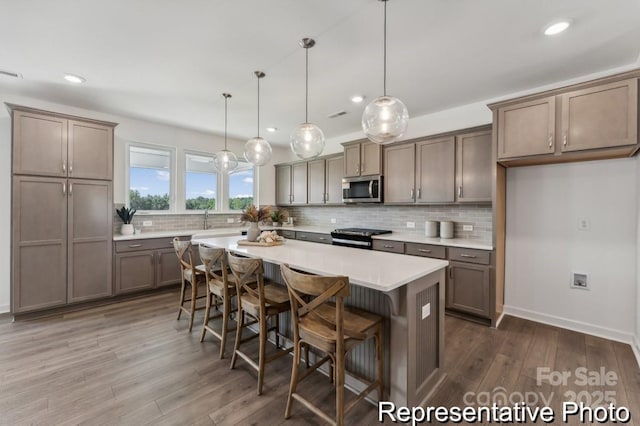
[
  {"x": 176, "y": 222},
  {"x": 395, "y": 218}
]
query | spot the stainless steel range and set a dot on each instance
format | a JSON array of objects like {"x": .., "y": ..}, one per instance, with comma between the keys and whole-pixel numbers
[{"x": 356, "y": 237}]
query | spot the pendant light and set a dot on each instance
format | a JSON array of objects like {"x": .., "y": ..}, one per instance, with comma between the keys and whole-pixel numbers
[
  {"x": 257, "y": 151},
  {"x": 225, "y": 161},
  {"x": 307, "y": 140},
  {"x": 385, "y": 119}
]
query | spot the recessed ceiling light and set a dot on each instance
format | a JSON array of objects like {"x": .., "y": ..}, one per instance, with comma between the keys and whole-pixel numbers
[
  {"x": 272, "y": 129},
  {"x": 356, "y": 99},
  {"x": 75, "y": 79},
  {"x": 556, "y": 27}
]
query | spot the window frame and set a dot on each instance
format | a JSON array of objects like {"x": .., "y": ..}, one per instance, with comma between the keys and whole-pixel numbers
[
  {"x": 172, "y": 174},
  {"x": 183, "y": 201}
]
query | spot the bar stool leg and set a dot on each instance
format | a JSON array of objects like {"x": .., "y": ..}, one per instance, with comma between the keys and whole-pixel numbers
[
  {"x": 192, "y": 307},
  {"x": 182, "y": 290},
  {"x": 379, "y": 346},
  {"x": 339, "y": 372},
  {"x": 236, "y": 345},
  {"x": 263, "y": 348},
  {"x": 206, "y": 317},
  {"x": 277, "y": 331},
  {"x": 226, "y": 310},
  {"x": 294, "y": 378}
]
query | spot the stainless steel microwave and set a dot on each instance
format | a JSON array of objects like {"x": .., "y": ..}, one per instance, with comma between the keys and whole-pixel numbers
[{"x": 362, "y": 189}]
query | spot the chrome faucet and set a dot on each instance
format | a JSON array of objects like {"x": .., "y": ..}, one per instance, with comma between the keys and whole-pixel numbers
[{"x": 206, "y": 219}]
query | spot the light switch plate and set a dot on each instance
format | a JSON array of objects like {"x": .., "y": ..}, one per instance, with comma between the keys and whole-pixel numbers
[
  {"x": 426, "y": 310},
  {"x": 147, "y": 223},
  {"x": 230, "y": 220},
  {"x": 411, "y": 224},
  {"x": 333, "y": 220},
  {"x": 467, "y": 227}
]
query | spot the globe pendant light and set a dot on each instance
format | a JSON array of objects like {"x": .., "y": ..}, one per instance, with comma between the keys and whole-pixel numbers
[
  {"x": 307, "y": 140},
  {"x": 225, "y": 161},
  {"x": 257, "y": 151},
  {"x": 385, "y": 119}
]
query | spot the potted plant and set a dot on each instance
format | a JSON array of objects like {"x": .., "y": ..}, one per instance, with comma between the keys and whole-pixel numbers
[
  {"x": 253, "y": 215},
  {"x": 278, "y": 217},
  {"x": 127, "y": 216}
]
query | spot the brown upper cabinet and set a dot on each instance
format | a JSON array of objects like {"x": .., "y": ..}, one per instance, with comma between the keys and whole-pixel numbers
[
  {"x": 55, "y": 145},
  {"x": 442, "y": 169},
  {"x": 601, "y": 115},
  {"x": 362, "y": 158},
  {"x": 325, "y": 180},
  {"x": 291, "y": 184}
]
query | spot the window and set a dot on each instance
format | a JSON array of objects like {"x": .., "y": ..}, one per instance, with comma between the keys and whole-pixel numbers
[
  {"x": 201, "y": 182},
  {"x": 149, "y": 178},
  {"x": 241, "y": 188}
]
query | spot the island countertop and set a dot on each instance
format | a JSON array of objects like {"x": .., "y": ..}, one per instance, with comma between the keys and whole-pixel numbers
[{"x": 377, "y": 270}]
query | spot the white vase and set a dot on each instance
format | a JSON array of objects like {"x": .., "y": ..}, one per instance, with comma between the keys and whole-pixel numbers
[
  {"x": 253, "y": 232},
  {"x": 127, "y": 229}
]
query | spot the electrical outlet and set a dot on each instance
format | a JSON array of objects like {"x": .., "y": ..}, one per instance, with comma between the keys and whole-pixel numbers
[
  {"x": 147, "y": 223},
  {"x": 467, "y": 227},
  {"x": 584, "y": 224},
  {"x": 333, "y": 220},
  {"x": 579, "y": 280},
  {"x": 230, "y": 220},
  {"x": 411, "y": 224},
  {"x": 426, "y": 310}
]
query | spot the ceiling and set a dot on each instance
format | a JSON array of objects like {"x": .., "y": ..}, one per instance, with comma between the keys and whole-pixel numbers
[{"x": 169, "y": 61}]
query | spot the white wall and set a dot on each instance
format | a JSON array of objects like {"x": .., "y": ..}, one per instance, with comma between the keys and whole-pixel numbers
[
  {"x": 636, "y": 345},
  {"x": 5, "y": 213},
  {"x": 544, "y": 245}
]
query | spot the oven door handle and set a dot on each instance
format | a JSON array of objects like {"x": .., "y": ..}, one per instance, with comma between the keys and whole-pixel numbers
[{"x": 351, "y": 242}]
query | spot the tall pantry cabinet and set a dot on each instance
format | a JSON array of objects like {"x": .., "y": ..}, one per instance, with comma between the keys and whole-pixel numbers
[{"x": 62, "y": 202}]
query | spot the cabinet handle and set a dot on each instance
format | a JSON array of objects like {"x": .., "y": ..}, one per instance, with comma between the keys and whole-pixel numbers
[
  {"x": 424, "y": 251},
  {"x": 361, "y": 167},
  {"x": 302, "y": 236},
  {"x": 411, "y": 195},
  {"x": 70, "y": 189},
  {"x": 64, "y": 189},
  {"x": 550, "y": 140},
  {"x": 153, "y": 255},
  {"x": 419, "y": 193},
  {"x": 135, "y": 245},
  {"x": 388, "y": 246},
  {"x": 64, "y": 167},
  {"x": 564, "y": 138},
  {"x": 70, "y": 167},
  {"x": 322, "y": 238},
  {"x": 470, "y": 256},
  {"x": 460, "y": 191}
]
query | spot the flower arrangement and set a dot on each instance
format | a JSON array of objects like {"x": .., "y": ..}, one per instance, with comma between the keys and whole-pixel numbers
[
  {"x": 254, "y": 214},
  {"x": 279, "y": 216}
]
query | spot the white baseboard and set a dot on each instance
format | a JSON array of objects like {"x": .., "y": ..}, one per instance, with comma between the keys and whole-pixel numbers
[
  {"x": 569, "y": 324},
  {"x": 500, "y": 318}
]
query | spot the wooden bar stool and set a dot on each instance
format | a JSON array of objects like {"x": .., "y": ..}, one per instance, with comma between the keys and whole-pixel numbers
[
  {"x": 262, "y": 302},
  {"x": 191, "y": 276},
  {"x": 221, "y": 288},
  {"x": 331, "y": 328}
]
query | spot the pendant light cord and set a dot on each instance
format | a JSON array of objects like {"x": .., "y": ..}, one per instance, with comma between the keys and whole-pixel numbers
[
  {"x": 384, "y": 78},
  {"x": 225, "y": 122},
  {"x": 258, "y": 106},
  {"x": 306, "y": 99}
]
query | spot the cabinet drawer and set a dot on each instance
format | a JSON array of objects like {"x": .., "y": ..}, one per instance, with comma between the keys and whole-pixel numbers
[
  {"x": 313, "y": 237},
  {"x": 287, "y": 233},
  {"x": 146, "y": 244},
  {"x": 390, "y": 246},
  {"x": 482, "y": 257},
  {"x": 426, "y": 250}
]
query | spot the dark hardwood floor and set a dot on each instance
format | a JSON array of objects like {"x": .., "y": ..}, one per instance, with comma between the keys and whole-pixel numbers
[{"x": 132, "y": 363}]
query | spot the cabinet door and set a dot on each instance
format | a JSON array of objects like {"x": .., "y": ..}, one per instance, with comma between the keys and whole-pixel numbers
[
  {"x": 316, "y": 189},
  {"x": 283, "y": 185},
  {"x": 333, "y": 174},
  {"x": 399, "y": 174},
  {"x": 601, "y": 116},
  {"x": 90, "y": 239},
  {"x": 90, "y": 150},
  {"x": 435, "y": 171},
  {"x": 370, "y": 156},
  {"x": 39, "y": 144},
  {"x": 167, "y": 267},
  {"x": 299, "y": 183},
  {"x": 468, "y": 288},
  {"x": 39, "y": 243},
  {"x": 473, "y": 168},
  {"x": 352, "y": 160},
  {"x": 527, "y": 128},
  {"x": 134, "y": 271}
]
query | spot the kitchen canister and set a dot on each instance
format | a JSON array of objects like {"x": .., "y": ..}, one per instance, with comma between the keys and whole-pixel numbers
[
  {"x": 431, "y": 228},
  {"x": 446, "y": 229}
]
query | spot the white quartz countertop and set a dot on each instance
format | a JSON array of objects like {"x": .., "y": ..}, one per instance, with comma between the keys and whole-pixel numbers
[
  {"x": 216, "y": 232},
  {"x": 377, "y": 270},
  {"x": 415, "y": 237}
]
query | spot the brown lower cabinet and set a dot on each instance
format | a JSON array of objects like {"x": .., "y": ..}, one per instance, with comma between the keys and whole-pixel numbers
[
  {"x": 146, "y": 264},
  {"x": 468, "y": 288}
]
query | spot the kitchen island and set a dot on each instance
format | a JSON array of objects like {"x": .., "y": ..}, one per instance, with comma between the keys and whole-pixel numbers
[{"x": 408, "y": 291}]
